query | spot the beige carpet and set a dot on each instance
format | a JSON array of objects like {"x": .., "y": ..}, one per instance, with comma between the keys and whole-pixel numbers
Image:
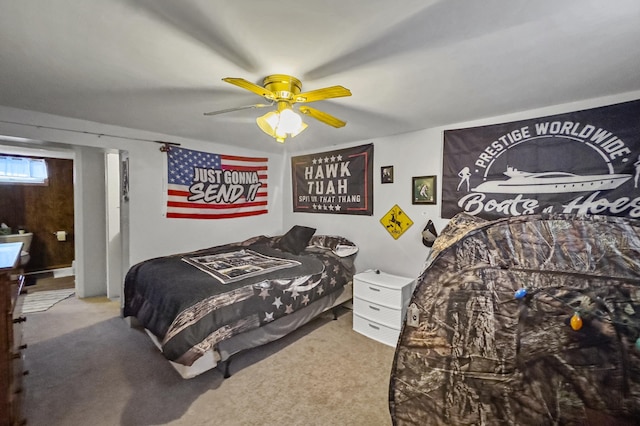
[{"x": 87, "y": 367}]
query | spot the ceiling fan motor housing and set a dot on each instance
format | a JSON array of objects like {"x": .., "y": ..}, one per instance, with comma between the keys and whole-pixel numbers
[{"x": 284, "y": 86}]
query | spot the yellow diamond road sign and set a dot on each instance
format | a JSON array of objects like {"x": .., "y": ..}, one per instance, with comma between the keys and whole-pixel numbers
[{"x": 396, "y": 222}]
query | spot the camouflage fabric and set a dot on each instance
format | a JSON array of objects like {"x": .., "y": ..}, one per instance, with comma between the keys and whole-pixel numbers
[{"x": 481, "y": 356}]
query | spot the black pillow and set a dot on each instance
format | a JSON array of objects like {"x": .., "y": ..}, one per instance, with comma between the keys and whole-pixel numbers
[{"x": 296, "y": 239}]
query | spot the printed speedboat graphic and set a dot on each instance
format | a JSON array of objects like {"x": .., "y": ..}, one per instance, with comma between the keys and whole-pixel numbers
[{"x": 521, "y": 182}]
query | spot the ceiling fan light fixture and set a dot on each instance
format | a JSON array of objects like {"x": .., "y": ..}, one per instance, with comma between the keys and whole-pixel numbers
[
  {"x": 272, "y": 118},
  {"x": 280, "y": 137},
  {"x": 268, "y": 122},
  {"x": 281, "y": 124},
  {"x": 299, "y": 130},
  {"x": 290, "y": 122}
]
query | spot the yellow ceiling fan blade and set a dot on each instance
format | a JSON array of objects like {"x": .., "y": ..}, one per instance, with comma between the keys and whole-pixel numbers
[
  {"x": 322, "y": 116},
  {"x": 321, "y": 94},
  {"x": 247, "y": 85}
]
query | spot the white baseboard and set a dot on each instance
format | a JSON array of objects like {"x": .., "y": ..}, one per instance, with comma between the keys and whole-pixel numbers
[{"x": 62, "y": 272}]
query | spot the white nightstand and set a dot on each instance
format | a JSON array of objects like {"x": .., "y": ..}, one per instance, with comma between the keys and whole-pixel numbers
[{"x": 380, "y": 304}]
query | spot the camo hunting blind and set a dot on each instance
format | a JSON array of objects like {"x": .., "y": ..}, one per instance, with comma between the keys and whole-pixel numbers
[{"x": 525, "y": 320}]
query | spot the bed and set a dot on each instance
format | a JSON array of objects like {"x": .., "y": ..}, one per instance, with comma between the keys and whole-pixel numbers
[
  {"x": 531, "y": 320},
  {"x": 201, "y": 308}
]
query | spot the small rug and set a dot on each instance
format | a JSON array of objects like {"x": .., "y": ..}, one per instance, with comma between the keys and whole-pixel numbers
[{"x": 40, "y": 301}]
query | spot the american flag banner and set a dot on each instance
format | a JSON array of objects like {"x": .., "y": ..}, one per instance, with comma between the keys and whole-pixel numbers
[{"x": 202, "y": 185}]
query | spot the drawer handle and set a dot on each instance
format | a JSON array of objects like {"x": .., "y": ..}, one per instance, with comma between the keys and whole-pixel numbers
[
  {"x": 19, "y": 320},
  {"x": 374, "y": 308},
  {"x": 374, "y": 327},
  {"x": 374, "y": 288}
]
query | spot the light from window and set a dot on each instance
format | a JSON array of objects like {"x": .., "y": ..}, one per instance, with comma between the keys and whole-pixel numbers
[{"x": 22, "y": 170}]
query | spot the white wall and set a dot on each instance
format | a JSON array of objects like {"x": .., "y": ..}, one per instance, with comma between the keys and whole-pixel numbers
[
  {"x": 150, "y": 233},
  {"x": 411, "y": 154},
  {"x": 113, "y": 212},
  {"x": 90, "y": 221}
]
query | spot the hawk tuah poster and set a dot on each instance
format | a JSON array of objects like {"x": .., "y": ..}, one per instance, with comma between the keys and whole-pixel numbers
[{"x": 338, "y": 182}]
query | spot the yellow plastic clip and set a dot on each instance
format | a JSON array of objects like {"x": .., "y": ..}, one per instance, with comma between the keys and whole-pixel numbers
[{"x": 576, "y": 322}]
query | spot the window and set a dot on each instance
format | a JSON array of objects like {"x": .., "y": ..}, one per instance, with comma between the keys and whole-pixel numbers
[{"x": 23, "y": 170}]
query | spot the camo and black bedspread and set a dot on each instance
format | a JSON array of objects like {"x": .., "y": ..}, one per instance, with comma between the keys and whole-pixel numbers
[
  {"x": 483, "y": 356},
  {"x": 190, "y": 311}
]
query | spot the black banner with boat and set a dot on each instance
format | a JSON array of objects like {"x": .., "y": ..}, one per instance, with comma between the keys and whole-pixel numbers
[{"x": 585, "y": 162}]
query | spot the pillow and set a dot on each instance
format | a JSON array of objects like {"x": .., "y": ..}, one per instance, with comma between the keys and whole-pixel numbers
[
  {"x": 296, "y": 239},
  {"x": 344, "y": 250},
  {"x": 340, "y": 246}
]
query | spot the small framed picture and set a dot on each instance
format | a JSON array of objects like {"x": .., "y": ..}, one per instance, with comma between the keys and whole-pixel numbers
[
  {"x": 424, "y": 190},
  {"x": 386, "y": 174}
]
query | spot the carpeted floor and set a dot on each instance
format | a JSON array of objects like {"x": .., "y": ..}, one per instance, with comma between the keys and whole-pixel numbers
[{"x": 87, "y": 367}]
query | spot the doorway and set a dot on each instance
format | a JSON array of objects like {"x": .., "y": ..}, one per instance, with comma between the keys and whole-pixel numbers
[
  {"x": 42, "y": 211},
  {"x": 89, "y": 231}
]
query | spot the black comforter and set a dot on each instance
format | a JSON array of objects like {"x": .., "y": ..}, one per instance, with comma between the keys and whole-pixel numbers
[{"x": 190, "y": 311}]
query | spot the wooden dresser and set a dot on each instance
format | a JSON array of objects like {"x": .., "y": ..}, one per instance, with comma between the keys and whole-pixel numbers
[{"x": 11, "y": 368}]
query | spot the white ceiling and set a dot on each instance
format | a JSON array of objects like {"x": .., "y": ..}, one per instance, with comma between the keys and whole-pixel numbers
[{"x": 411, "y": 64}]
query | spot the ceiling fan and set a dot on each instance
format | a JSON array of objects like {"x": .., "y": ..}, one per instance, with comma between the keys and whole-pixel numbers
[{"x": 284, "y": 91}]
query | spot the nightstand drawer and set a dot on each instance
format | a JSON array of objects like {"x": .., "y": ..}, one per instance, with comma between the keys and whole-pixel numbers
[
  {"x": 384, "y": 289},
  {"x": 377, "y": 294},
  {"x": 376, "y": 331},
  {"x": 378, "y": 313}
]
